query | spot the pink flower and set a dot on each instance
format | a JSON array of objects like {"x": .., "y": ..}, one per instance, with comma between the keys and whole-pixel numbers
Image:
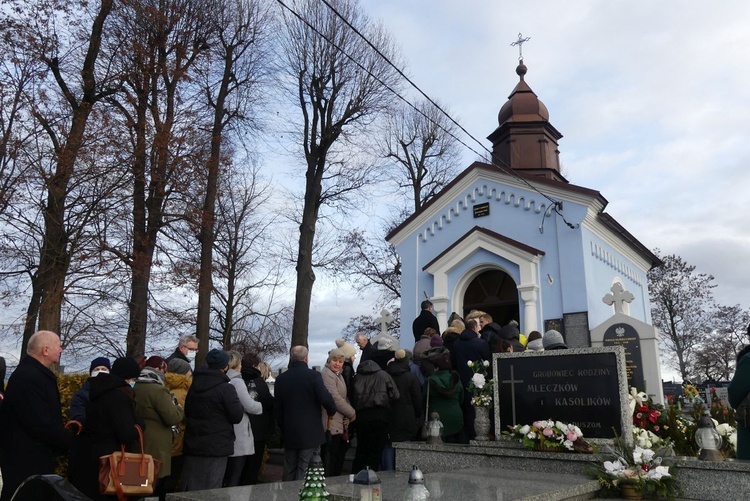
[
  {"x": 656, "y": 428},
  {"x": 548, "y": 432},
  {"x": 571, "y": 435},
  {"x": 537, "y": 424}
]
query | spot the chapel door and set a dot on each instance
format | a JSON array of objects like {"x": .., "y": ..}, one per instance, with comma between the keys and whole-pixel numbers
[{"x": 493, "y": 292}]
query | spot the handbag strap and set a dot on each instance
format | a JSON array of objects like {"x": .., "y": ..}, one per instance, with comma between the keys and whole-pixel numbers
[
  {"x": 143, "y": 466},
  {"x": 72, "y": 422},
  {"x": 116, "y": 476}
]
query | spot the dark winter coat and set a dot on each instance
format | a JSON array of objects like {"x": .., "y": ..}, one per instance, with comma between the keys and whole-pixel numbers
[
  {"x": 510, "y": 333},
  {"x": 424, "y": 320},
  {"x": 374, "y": 390},
  {"x": 110, "y": 424},
  {"x": 347, "y": 372},
  {"x": 177, "y": 354},
  {"x": 406, "y": 411},
  {"x": 299, "y": 394},
  {"x": 382, "y": 357},
  {"x": 467, "y": 348},
  {"x": 368, "y": 353},
  {"x": 739, "y": 388},
  {"x": 31, "y": 427},
  {"x": 446, "y": 394},
  {"x": 212, "y": 408},
  {"x": 491, "y": 334},
  {"x": 79, "y": 402},
  {"x": 262, "y": 424}
]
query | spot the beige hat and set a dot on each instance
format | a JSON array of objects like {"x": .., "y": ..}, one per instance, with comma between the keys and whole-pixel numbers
[{"x": 349, "y": 350}]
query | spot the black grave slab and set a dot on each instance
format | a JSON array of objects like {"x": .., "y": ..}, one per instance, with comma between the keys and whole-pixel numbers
[
  {"x": 586, "y": 387},
  {"x": 626, "y": 336}
]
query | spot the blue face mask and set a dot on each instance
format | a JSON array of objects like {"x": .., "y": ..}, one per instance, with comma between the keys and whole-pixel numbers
[{"x": 132, "y": 384}]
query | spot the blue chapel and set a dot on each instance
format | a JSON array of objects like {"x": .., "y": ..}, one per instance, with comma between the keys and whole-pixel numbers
[{"x": 515, "y": 239}]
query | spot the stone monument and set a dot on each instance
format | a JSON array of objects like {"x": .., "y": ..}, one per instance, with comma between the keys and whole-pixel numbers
[{"x": 639, "y": 339}]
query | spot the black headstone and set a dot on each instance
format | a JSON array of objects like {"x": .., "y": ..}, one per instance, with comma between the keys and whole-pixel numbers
[
  {"x": 626, "y": 336},
  {"x": 567, "y": 385}
]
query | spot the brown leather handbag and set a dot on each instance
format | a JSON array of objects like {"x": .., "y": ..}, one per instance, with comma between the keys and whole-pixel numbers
[{"x": 128, "y": 473}]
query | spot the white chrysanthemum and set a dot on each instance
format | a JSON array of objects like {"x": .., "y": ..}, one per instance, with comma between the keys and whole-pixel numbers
[
  {"x": 724, "y": 429},
  {"x": 525, "y": 429},
  {"x": 478, "y": 380},
  {"x": 531, "y": 435},
  {"x": 486, "y": 363},
  {"x": 658, "y": 472}
]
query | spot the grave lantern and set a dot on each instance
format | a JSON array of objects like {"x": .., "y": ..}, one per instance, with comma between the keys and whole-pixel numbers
[
  {"x": 416, "y": 490},
  {"x": 370, "y": 490},
  {"x": 708, "y": 439}
]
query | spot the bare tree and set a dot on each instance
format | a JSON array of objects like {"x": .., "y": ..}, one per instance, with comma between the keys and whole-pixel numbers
[
  {"x": 420, "y": 139},
  {"x": 246, "y": 314},
  {"x": 233, "y": 82},
  {"x": 681, "y": 308},
  {"x": 337, "y": 98},
  {"x": 716, "y": 356},
  {"x": 76, "y": 84},
  {"x": 160, "y": 43}
]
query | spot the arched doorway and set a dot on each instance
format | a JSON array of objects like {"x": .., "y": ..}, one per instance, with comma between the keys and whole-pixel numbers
[{"x": 494, "y": 292}]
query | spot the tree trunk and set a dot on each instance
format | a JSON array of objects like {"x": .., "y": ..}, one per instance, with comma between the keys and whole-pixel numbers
[
  {"x": 32, "y": 313},
  {"x": 305, "y": 272},
  {"x": 205, "y": 281}
]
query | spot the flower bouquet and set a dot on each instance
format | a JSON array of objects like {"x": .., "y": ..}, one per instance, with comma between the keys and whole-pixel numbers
[
  {"x": 551, "y": 435},
  {"x": 637, "y": 472},
  {"x": 480, "y": 385}
]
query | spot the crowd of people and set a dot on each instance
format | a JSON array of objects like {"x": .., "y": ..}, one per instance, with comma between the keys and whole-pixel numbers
[{"x": 209, "y": 427}]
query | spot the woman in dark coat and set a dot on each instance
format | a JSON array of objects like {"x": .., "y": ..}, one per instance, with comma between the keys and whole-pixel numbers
[
  {"x": 406, "y": 411},
  {"x": 110, "y": 422},
  {"x": 254, "y": 373}
]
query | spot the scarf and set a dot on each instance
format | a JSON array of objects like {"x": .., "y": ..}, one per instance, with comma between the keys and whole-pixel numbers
[{"x": 150, "y": 375}]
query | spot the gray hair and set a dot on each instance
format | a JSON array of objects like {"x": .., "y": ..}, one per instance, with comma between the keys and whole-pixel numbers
[
  {"x": 298, "y": 353},
  {"x": 360, "y": 335},
  {"x": 189, "y": 338}
]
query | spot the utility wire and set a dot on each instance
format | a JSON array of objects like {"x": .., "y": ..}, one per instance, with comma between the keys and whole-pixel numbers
[{"x": 556, "y": 204}]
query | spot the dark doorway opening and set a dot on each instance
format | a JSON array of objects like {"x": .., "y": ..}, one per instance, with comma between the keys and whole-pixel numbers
[{"x": 493, "y": 292}]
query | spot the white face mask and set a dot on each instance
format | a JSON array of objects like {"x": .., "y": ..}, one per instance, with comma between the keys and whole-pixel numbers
[
  {"x": 100, "y": 371},
  {"x": 132, "y": 384},
  {"x": 190, "y": 355}
]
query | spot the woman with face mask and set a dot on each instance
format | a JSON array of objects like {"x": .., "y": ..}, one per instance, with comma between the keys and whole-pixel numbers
[
  {"x": 99, "y": 365},
  {"x": 110, "y": 422}
]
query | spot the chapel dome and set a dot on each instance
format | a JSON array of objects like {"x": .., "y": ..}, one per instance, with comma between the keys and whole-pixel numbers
[{"x": 522, "y": 105}]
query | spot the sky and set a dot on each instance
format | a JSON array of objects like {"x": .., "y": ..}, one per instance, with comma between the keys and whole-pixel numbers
[{"x": 652, "y": 99}]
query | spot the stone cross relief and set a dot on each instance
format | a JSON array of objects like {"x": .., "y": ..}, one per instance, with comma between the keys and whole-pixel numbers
[
  {"x": 512, "y": 381},
  {"x": 618, "y": 297},
  {"x": 384, "y": 319}
]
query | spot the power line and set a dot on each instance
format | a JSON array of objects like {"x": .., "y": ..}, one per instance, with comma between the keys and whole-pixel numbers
[{"x": 498, "y": 162}]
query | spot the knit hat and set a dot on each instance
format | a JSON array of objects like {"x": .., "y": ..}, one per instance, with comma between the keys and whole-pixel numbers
[
  {"x": 336, "y": 353},
  {"x": 100, "y": 361},
  {"x": 535, "y": 345},
  {"x": 126, "y": 368},
  {"x": 435, "y": 341},
  {"x": 156, "y": 362},
  {"x": 400, "y": 354},
  {"x": 217, "y": 359},
  {"x": 178, "y": 366},
  {"x": 440, "y": 356},
  {"x": 349, "y": 350},
  {"x": 553, "y": 340}
]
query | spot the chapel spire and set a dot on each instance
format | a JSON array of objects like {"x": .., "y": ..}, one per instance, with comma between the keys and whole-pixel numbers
[{"x": 524, "y": 140}]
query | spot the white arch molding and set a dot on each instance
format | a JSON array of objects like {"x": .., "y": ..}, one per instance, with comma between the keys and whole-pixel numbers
[{"x": 526, "y": 260}]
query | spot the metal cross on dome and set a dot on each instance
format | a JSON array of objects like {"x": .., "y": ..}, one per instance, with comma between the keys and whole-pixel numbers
[{"x": 521, "y": 40}]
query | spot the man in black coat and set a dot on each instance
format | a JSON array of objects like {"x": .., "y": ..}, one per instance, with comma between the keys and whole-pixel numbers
[
  {"x": 31, "y": 426},
  {"x": 369, "y": 352},
  {"x": 187, "y": 349},
  {"x": 212, "y": 408},
  {"x": 424, "y": 320},
  {"x": 299, "y": 394}
]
